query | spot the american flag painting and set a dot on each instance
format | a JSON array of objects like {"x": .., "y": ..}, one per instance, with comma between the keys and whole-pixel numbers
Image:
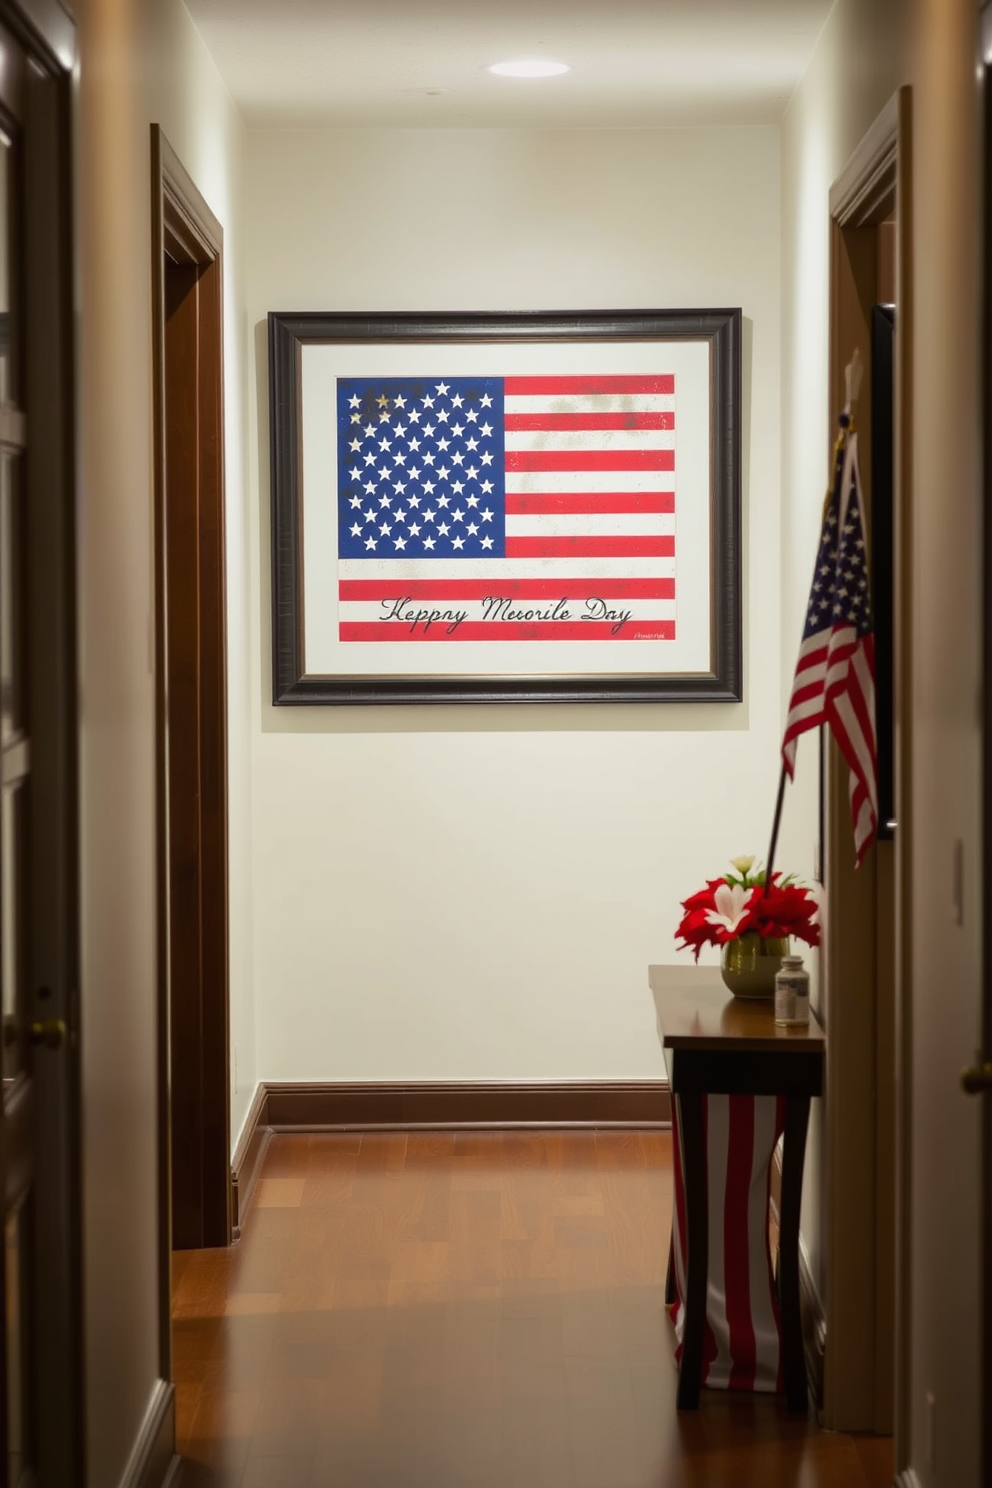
[{"x": 531, "y": 508}]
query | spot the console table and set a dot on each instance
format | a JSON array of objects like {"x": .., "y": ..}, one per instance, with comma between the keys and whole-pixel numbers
[{"x": 738, "y": 1083}]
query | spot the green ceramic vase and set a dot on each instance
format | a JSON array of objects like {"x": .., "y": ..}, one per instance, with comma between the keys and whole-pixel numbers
[{"x": 748, "y": 964}]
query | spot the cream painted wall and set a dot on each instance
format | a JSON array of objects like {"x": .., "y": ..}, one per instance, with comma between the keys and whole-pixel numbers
[
  {"x": 140, "y": 61},
  {"x": 475, "y": 893},
  {"x": 866, "y": 51}
]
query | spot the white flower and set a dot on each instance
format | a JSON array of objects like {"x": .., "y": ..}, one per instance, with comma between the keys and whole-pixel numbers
[
  {"x": 743, "y": 865},
  {"x": 731, "y": 906}
]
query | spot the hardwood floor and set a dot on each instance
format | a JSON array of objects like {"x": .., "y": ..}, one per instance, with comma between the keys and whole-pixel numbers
[{"x": 478, "y": 1310}]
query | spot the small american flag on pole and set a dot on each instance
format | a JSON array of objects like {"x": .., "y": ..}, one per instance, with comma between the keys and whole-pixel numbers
[
  {"x": 506, "y": 508},
  {"x": 835, "y": 676}
]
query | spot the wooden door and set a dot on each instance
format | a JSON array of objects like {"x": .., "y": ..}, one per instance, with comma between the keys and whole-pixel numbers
[
  {"x": 19, "y": 1216},
  {"x": 40, "y": 1417}
]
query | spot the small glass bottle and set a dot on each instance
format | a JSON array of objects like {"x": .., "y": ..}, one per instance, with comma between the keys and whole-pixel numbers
[{"x": 792, "y": 993}]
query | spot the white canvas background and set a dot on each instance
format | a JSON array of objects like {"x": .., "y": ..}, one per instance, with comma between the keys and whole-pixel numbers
[{"x": 323, "y": 363}]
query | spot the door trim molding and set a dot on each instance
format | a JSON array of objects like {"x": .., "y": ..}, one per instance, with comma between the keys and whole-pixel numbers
[
  {"x": 869, "y": 1033},
  {"x": 153, "y": 1460},
  {"x": 985, "y": 24},
  {"x": 185, "y": 230}
]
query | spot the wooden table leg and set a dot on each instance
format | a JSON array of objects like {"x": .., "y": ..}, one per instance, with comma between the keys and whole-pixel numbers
[
  {"x": 793, "y": 1157},
  {"x": 692, "y": 1136}
]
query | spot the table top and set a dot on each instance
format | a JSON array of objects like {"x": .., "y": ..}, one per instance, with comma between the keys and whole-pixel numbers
[{"x": 696, "y": 1011}]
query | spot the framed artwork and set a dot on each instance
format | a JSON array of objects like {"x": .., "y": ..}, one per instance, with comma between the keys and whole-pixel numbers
[{"x": 506, "y": 507}]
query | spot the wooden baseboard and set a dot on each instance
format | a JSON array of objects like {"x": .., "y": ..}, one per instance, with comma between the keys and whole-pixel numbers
[
  {"x": 248, "y": 1156},
  {"x": 450, "y": 1106},
  {"x": 810, "y": 1306},
  {"x": 467, "y": 1106},
  {"x": 153, "y": 1461}
]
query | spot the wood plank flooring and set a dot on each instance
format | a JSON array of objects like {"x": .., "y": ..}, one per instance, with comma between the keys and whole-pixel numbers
[{"x": 477, "y": 1310}]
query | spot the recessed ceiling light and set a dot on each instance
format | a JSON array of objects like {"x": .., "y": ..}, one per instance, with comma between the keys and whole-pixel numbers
[{"x": 528, "y": 69}]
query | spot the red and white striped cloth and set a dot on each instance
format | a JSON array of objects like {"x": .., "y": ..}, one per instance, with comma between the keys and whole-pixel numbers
[{"x": 742, "y": 1347}]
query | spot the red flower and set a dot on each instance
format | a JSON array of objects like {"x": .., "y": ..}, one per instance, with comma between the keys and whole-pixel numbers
[
  {"x": 775, "y": 912},
  {"x": 782, "y": 910}
]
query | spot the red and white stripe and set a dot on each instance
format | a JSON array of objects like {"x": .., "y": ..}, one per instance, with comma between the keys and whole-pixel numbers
[
  {"x": 742, "y": 1348},
  {"x": 590, "y": 465}
]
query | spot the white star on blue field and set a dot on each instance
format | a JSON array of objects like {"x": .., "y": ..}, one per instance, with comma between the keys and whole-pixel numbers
[
  {"x": 420, "y": 467},
  {"x": 839, "y": 595}
]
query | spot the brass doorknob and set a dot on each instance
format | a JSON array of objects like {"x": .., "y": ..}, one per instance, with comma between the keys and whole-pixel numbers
[
  {"x": 51, "y": 1033},
  {"x": 976, "y": 1080}
]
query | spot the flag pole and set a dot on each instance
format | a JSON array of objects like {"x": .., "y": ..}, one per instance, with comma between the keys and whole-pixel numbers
[
  {"x": 853, "y": 373},
  {"x": 775, "y": 826}
]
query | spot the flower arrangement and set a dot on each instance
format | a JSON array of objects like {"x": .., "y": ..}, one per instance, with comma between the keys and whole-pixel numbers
[{"x": 740, "y": 904}]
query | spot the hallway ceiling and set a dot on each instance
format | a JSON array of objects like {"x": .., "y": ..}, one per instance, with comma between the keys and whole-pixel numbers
[{"x": 421, "y": 63}]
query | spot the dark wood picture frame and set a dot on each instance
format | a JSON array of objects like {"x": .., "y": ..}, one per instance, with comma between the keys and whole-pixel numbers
[{"x": 290, "y": 333}]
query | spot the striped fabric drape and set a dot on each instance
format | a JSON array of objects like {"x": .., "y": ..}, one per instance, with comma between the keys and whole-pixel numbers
[{"x": 743, "y": 1338}]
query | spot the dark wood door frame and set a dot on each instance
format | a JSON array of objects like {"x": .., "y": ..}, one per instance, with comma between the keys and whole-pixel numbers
[
  {"x": 187, "y": 243},
  {"x": 867, "y": 966},
  {"x": 986, "y": 1180}
]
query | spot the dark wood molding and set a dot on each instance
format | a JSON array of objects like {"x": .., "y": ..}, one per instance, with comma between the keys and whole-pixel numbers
[
  {"x": 153, "y": 1462},
  {"x": 986, "y": 864},
  {"x": 191, "y": 711},
  {"x": 246, "y": 1164},
  {"x": 161, "y": 898},
  {"x": 903, "y": 682},
  {"x": 866, "y": 1134},
  {"x": 453, "y": 1105},
  {"x": 436, "y": 1105}
]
